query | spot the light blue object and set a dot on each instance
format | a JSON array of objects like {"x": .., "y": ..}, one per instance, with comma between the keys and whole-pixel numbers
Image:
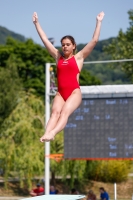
[{"x": 56, "y": 197}]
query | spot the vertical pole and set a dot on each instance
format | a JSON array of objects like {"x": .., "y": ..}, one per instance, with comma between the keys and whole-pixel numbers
[
  {"x": 47, "y": 116},
  {"x": 115, "y": 192}
]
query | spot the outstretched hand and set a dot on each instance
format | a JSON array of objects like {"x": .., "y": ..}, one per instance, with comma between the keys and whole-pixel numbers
[
  {"x": 35, "y": 18},
  {"x": 100, "y": 16}
]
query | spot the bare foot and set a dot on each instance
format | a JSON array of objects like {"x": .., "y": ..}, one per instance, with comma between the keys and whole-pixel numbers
[{"x": 47, "y": 137}]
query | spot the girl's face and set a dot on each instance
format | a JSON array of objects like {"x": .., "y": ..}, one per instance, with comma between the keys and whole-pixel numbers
[{"x": 67, "y": 47}]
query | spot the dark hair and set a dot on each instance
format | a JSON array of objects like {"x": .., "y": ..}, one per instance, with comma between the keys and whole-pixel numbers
[
  {"x": 101, "y": 188},
  {"x": 56, "y": 191},
  {"x": 71, "y": 39},
  {"x": 73, "y": 190},
  {"x": 38, "y": 184}
]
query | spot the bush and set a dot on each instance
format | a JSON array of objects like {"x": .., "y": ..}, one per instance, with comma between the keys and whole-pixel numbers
[{"x": 108, "y": 171}]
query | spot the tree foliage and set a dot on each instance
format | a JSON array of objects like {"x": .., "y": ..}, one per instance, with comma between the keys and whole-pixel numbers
[
  {"x": 108, "y": 171},
  {"x": 10, "y": 86},
  {"x": 75, "y": 169},
  {"x": 107, "y": 74},
  {"x": 21, "y": 154},
  {"x": 22, "y": 114},
  {"x": 5, "y": 33},
  {"x": 87, "y": 79},
  {"x": 122, "y": 48},
  {"x": 116, "y": 75},
  {"x": 30, "y": 59}
]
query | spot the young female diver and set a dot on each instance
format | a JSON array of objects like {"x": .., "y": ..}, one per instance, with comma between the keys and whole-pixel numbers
[{"x": 68, "y": 97}]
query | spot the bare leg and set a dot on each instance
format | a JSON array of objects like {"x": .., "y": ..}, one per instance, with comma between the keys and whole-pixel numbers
[
  {"x": 55, "y": 113},
  {"x": 70, "y": 105}
]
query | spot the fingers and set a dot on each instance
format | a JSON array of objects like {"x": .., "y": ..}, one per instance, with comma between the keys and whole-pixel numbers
[
  {"x": 101, "y": 14},
  {"x": 35, "y": 14},
  {"x": 34, "y": 17}
]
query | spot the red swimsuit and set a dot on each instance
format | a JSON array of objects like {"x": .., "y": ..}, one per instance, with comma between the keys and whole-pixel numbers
[{"x": 67, "y": 71}]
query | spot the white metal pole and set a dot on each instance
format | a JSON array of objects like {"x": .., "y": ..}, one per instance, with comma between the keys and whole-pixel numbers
[
  {"x": 47, "y": 116},
  {"x": 108, "y": 61},
  {"x": 115, "y": 192}
]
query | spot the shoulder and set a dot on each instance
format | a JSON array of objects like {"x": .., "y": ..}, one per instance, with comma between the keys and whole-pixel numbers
[
  {"x": 42, "y": 189},
  {"x": 105, "y": 194}
]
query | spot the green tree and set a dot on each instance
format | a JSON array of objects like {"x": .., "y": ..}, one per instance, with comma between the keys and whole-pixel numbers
[
  {"x": 21, "y": 153},
  {"x": 122, "y": 47},
  {"x": 108, "y": 74},
  {"x": 75, "y": 169},
  {"x": 4, "y": 33},
  {"x": 56, "y": 147},
  {"x": 108, "y": 171},
  {"x": 10, "y": 86},
  {"x": 87, "y": 79},
  {"x": 30, "y": 59}
]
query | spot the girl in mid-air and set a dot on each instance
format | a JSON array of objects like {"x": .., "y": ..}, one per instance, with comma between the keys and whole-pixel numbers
[{"x": 69, "y": 66}]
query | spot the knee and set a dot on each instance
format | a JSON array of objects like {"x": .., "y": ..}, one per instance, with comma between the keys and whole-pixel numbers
[
  {"x": 64, "y": 113},
  {"x": 55, "y": 113}
]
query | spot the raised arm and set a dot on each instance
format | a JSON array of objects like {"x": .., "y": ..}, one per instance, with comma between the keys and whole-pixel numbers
[
  {"x": 51, "y": 49},
  {"x": 89, "y": 47}
]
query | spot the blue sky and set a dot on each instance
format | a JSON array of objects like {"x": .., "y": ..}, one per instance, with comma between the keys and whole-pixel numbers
[{"x": 62, "y": 17}]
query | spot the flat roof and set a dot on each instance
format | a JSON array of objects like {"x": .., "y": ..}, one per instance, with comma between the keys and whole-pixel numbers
[{"x": 103, "y": 91}]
